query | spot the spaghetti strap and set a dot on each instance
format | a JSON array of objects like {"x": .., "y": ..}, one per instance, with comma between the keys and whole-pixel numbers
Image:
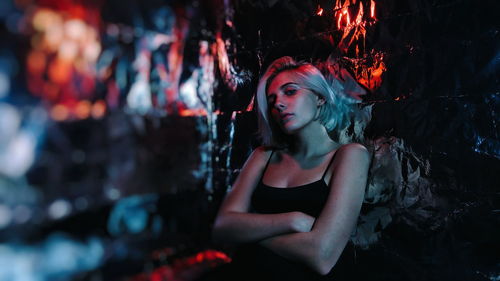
[
  {"x": 267, "y": 164},
  {"x": 329, "y": 164}
]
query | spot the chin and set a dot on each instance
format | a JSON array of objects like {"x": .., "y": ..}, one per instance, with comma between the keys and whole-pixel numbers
[{"x": 289, "y": 130}]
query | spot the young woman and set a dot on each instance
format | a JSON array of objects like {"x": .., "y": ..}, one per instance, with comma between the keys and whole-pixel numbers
[{"x": 297, "y": 199}]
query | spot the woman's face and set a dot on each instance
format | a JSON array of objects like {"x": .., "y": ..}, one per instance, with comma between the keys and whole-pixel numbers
[{"x": 291, "y": 105}]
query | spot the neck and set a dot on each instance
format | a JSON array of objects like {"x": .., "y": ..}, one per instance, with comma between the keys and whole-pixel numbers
[{"x": 311, "y": 141}]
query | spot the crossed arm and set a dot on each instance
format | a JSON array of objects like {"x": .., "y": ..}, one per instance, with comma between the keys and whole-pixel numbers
[{"x": 291, "y": 235}]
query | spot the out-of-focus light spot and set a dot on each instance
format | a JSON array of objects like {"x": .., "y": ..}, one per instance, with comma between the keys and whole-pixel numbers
[
  {"x": 74, "y": 29},
  {"x": 57, "y": 258},
  {"x": 5, "y": 216},
  {"x": 112, "y": 30},
  {"x": 372, "y": 9},
  {"x": 104, "y": 64},
  {"x": 92, "y": 51},
  {"x": 160, "y": 39},
  {"x": 82, "y": 109},
  {"x": 4, "y": 84},
  {"x": 61, "y": 65},
  {"x": 139, "y": 97},
  {"x": 208, "y": 256},
  {"x": 60, "y": 71},
  {"x": 51, "y": 91},
  {"x": 98, "y": 109},
  {"x": 193, "y": 112},
  {"x": 59, "y": 209},
  {"x": 188, "y": 91},
  {"x": 45, "y": 19},
  {"x": 199, "y": 257},
  {"x": 59, "y": 112},
  {"x": 113, "y": 193},
  {"x": 68, "y": 50},
  {"x": 54, "y": 37},
  {"x": 10, "y": 120},
  {"x": 36, "y": 62},
  {"x": 38, "y": 116},
  {"x": 18, "y": 155},
  {"x": 81, "y": 203},
  {"x": 132, "y": 214},
  {"x": 17, "y": 145},
  {"x": 21, "y": 214}
]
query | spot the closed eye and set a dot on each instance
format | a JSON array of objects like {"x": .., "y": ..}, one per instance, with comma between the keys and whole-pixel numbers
[{"x": 290, "y": 88}]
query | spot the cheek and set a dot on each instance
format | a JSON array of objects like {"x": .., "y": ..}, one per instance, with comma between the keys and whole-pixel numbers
[{"x": 309, "y": 105}]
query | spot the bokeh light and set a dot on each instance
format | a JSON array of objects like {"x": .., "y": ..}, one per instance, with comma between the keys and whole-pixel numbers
[{"x": 61, "y": 65}]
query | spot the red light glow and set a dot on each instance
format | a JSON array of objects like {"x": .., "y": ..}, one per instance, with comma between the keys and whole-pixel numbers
[
  {"x": 359, "y": 17},
  {"x": 180, "y": 268},
  {"x": 371, "y": 75},
  {"x": 98, "y": 109},
  {"x": 175, "y": 60},
  {"x": 320, "y": 11},
  {"x": 225, "y": 66},
  {"x": 372, "y": 9},
  {"x": 61, "y": 64},
  {"x": 59, "y": 112},
  {"x": 186, "y": 112},
  {"x": 343, "y": 18},
  {"x": 36, "y": 62},
  {"x": 352, "y": 28},
  {"x": 82, "y": 109}
]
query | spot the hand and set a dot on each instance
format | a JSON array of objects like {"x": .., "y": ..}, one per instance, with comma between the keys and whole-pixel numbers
[{"x": 302, "y": 222}]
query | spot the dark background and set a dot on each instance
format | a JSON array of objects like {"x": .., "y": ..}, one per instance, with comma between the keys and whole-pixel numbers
[{"x": 139, "y": 189}]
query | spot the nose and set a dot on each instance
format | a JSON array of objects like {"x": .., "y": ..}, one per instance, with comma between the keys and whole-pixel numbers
[{"x": 280, "y": 105}]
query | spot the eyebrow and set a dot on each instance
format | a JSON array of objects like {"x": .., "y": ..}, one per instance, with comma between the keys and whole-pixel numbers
[{"x": 288, "y": 83}]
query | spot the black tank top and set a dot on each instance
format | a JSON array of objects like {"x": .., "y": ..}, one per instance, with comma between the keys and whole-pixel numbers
[
  {"x": 254, "y": 262},
  {"x": 307, "y": 198}
]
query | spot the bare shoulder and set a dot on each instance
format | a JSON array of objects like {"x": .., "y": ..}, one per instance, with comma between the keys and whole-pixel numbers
[
  {"x": 261, "y": 151},
  {"x": 259, "y": 156},
  {"x": 355, "y": 152}
]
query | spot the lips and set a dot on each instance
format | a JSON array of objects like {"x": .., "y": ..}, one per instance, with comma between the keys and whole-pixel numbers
[{"x": 285, "y": 116}]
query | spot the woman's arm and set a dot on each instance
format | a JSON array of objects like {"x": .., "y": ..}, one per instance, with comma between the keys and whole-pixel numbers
[
  {"x": 235, "y": 224},
  {"x": 321, "y": 247}
]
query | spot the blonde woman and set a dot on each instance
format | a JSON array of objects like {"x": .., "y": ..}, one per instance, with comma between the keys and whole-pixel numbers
[{"x": 297, "y": 199}]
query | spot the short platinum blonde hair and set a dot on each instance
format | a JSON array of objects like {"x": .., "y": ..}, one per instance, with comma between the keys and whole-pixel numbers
[{"x": 332, "y": 115}]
